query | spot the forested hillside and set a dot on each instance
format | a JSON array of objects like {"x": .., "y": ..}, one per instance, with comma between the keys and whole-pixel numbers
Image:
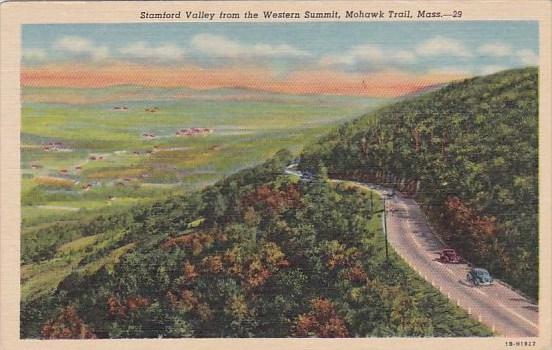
[
  {"x": 469, "y": 154},
  {"x": 259, "y": 254}
]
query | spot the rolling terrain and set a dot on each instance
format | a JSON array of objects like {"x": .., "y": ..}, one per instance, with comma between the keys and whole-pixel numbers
[
  {"x": 84, "y": 155},
  {"x": 260, "y": 253},
  {"x": 96, "y": 149}
]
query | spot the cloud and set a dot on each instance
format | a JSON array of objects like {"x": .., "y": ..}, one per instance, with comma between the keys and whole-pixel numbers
[
  {"x": 528, "y": 57},
  {"x": 34, "y": 54},
  {"x": 368, "y": 54},
  {"x": 361, "y": 53},
  {"x": 216, "y": 45},
  {"x": 80, "y": 46},
  {"x": 490, "y": 69},
  {"x": 495, "y": 49},
  {"x": 525, "y": 56},
  {"x": 221, "y": 47},
  {"x": 405, "y": 56},
  {"x": 452, "y": 71},
  {"x": 443, "y": 46},
  {"x": 141, "y": 50}
]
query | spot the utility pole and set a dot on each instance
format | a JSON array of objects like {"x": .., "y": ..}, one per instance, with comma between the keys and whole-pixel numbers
[
  {"x": 385, "y": 231},
  {"x": 372, "y": 201}
]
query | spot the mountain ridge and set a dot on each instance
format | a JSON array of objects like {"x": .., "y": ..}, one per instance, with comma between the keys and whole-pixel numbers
[{"x": 469, "y": 153}]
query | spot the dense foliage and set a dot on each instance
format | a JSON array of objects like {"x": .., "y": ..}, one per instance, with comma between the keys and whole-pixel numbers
[
  {"x": 257, "y": 255},
  {"x": 469, "y": 153}
]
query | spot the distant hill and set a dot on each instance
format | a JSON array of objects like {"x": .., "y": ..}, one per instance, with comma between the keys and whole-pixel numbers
[
  {"x": 133, "y": 93},
  {"x": 468, "y": 153}
]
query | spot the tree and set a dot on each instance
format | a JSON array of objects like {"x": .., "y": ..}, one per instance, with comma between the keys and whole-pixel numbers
[
  {"x": 67, "y": 325},
  {"x": 321, "y": 321}
]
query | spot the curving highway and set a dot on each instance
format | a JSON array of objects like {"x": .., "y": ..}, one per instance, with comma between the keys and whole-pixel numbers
[
  {"x": 506, "y": 312},
  {"x": 497, "y": 306}
]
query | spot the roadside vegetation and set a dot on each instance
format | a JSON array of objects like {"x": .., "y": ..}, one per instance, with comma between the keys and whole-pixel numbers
[{"x": 468, "y": 153}]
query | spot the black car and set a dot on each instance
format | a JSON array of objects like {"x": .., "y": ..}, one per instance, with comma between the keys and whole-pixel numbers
[
  {"x": 479, "y": 277},
  {"x": 307, "y": 176}
]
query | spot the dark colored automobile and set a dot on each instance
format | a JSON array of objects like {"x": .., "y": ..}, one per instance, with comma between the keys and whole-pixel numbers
[
  {"x": 307, "y": 176},
  {"x": 479, "y": 277},
  {"x": 450, "y": 256}
]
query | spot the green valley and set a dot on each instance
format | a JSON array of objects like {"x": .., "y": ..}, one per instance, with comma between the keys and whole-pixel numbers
[
  {"x": 191, "y": 226},
  {"x": 97, "y": 149}
]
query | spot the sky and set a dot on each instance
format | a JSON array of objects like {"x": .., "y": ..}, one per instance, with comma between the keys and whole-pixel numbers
[{"x": 379, "y": 59}]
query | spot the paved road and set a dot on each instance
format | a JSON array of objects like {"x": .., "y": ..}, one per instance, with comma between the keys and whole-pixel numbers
[
  {"x": 497, "y": 306},
  {"x": 506, "y": 312}
]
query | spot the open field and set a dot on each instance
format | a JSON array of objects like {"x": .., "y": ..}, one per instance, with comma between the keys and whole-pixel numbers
[{"x": 117, "y": 146}]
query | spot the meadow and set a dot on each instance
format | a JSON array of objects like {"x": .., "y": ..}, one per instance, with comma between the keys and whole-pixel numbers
[{"x": 95, "y": 149}]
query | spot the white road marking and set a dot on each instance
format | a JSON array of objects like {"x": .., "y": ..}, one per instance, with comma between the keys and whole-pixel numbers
[
  {"x": 518, "y": 315},
  {"x": 479, "y": 291}
]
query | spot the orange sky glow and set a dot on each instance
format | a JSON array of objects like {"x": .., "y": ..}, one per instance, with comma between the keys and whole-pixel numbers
[{"x": 379, "y": 84}]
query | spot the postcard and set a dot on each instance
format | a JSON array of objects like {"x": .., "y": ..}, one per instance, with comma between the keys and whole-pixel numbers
[{"x": 275, "y": 174}]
